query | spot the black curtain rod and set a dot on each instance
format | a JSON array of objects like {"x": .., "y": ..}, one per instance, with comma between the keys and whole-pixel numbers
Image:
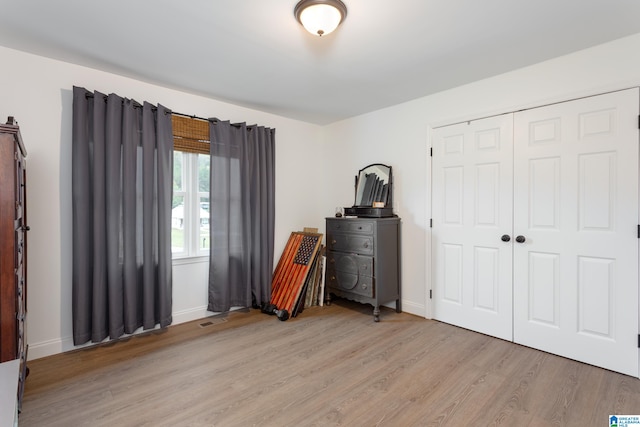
[
  {"x": 188, "y": 115},
  {"x": 136, "y": 104},
  {"x": 214, "y": 120}
]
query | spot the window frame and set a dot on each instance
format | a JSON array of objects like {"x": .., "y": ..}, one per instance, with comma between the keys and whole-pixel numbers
[{"x": 191, "y": 219}]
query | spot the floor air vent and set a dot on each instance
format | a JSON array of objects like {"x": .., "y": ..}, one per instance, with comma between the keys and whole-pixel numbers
[{"x": 211, "y": 322}]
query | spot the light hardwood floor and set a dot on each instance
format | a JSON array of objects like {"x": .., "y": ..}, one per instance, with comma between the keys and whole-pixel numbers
[{"x": 329, "y": 366}]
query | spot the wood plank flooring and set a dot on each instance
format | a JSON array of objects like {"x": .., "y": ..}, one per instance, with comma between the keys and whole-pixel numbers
[{"x": 329, "y": 366}]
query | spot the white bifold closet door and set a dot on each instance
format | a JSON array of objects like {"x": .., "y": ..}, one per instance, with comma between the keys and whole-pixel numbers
[
  {"x": 572, "y": 223},
  {"x": 472, "y": 192},
  {"x": 575, "y": 283}
]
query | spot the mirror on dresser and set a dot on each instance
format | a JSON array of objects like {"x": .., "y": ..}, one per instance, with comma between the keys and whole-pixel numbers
[
  {"x": 373, "y": 186},
  {"x": 373, "y": 192}
]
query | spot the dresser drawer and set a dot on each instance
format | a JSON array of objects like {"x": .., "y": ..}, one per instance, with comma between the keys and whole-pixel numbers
[
  {"x": 19, "y": 245},
  {"x": 20, "y": 300},
  {"x": 350, "y": 226},
  {"x": 21, "y": 337},
  {"x": 350, "y": 263},
  {"x": 354, "y": 283},
  {"x": 351, "y": 243}
]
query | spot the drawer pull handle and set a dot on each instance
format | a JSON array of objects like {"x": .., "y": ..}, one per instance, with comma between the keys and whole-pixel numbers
[
  {"x": 364, "y": 286},
  {"x": 332, "y": 260},
  {"x": 366, "y": 244},
  {"x": 333, "y": 242}
]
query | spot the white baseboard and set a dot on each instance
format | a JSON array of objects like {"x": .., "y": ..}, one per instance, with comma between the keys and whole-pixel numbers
[
  {"x": 51, "y": 347},
  {"x": 413, "y": 308},
  {"x": 196, "y": 313},
  {"x": 48, "y": 348}
]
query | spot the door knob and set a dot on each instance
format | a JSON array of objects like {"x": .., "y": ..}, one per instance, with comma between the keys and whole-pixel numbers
[
  {"x": 520, "y": 239},
  {"x": 505, "y": 238}
]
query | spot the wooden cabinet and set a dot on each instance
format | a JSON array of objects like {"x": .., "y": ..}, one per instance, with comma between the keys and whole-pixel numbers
[
  {"x": 13, "y": 248},
  {"x": 363, "y": 261}
]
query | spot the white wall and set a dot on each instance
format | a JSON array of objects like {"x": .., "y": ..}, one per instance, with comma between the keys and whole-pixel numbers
[
  {"x": 399, "y": 136},
  {"x": 38, "y": 92}
]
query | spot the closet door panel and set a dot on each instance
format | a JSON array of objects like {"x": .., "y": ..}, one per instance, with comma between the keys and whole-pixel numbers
[
  {"x": 544, "y": 194},
  {"x": 575, "y": 283},
  {"x": 544, "y": 289},
  {"x": 472, "y": 199}
]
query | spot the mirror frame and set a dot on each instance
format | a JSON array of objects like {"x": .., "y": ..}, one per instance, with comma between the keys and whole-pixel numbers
[{"x": 361, "y": 181}]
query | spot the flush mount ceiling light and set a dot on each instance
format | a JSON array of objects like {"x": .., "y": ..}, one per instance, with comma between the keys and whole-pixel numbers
[{"x": 320, "y": 17}]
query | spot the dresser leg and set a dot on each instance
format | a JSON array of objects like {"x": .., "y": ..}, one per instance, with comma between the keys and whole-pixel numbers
[
  {"x": 398, "y": 306},
  {"x": 376, "y": 313}
]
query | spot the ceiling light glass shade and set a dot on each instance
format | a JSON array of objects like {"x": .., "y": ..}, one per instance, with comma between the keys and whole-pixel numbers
[{"x": 320, "y": 17}]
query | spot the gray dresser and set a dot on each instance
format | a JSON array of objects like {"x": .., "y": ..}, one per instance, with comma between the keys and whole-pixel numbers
[{"x": 363, "y": 261}]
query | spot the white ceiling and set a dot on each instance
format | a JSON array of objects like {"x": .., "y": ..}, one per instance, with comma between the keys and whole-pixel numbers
[{"x": 254, "y": 53}]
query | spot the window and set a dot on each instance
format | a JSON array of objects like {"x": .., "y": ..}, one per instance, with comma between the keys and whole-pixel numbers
[
  {"x": 190, "y": 207},
  {"x": 190, "y": 235}
]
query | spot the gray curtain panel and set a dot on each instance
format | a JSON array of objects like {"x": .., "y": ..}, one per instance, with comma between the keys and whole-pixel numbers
[
  {"x": 122, "y": 170},
  {"x": 242, "y": 215}
]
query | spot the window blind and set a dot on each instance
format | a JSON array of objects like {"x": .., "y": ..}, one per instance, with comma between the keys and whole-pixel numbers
[{"x": 190, "y": 135}]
